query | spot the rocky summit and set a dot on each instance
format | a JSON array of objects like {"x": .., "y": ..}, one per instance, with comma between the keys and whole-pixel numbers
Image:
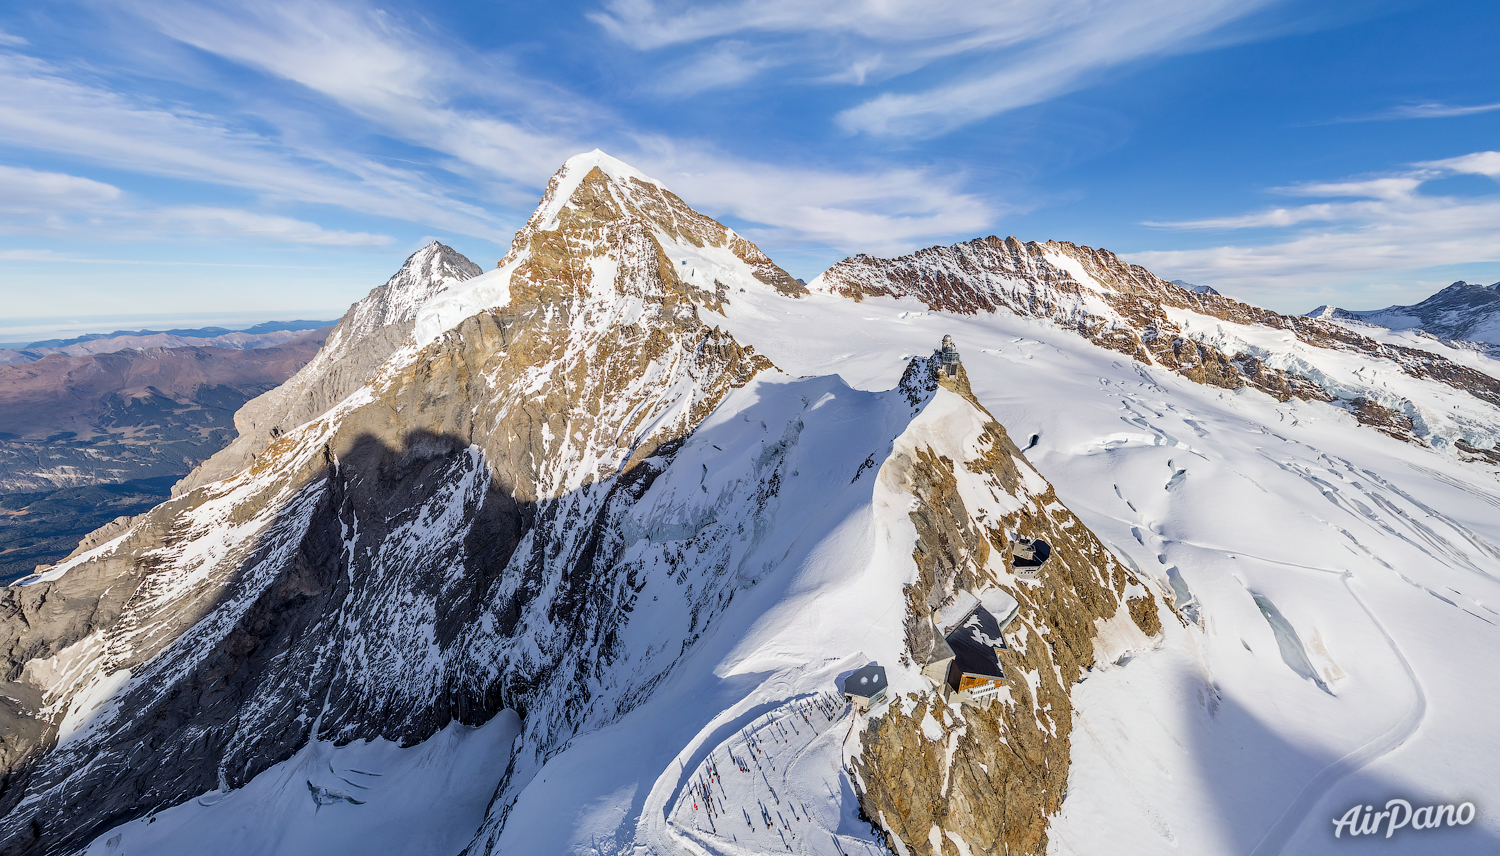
[{"x": 587, "y": 553}]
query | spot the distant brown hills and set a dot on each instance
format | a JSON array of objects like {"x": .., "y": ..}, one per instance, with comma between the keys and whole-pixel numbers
[{"x": 87, "y": 438}]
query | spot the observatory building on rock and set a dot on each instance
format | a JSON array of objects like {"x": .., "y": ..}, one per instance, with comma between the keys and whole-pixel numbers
[{"x": 949, "y": 355}]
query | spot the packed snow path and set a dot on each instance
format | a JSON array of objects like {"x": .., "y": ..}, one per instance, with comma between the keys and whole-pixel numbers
[{"x": 775, "y": 786}]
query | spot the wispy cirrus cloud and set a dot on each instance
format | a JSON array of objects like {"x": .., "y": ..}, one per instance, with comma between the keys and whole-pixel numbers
[
  {"x": 478, "y": 137},
  {"x": 879, "y": 210},
  {"x": 212, "y": 220},
  {"x": 474, "y": 107},
  {"x": 35, "y": 202},
  {"x": 1425, "y": 110},
  {"x": 729, "y": 63},
  {"x": 29, "y": 192},
  {"x": 1380, "y": 225},
  {"x": 992, "y": 57},
  {"x": 51, "y": 256},
  {"x": 1440, "y": 111},
  {"x": 49, "y": 107},
  {"x": 487, "y": 122}
]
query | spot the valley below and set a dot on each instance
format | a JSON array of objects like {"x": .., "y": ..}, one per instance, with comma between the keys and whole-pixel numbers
[{"x": 88, "y": 437}]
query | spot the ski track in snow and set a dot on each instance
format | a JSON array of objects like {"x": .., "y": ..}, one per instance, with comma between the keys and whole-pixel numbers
[{"x": 1277, "y": 837}]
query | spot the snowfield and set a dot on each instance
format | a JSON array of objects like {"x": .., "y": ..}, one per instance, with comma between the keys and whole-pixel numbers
[
  {"x": 365, "y": 797},
  {"x": 1381, "y": 555}
]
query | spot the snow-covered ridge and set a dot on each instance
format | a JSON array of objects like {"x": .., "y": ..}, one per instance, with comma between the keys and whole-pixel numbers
[
  {"x": 1462, "y": 311},
  {"x": 366, "y": 336},
  {"x": 1448, "y": 403}
]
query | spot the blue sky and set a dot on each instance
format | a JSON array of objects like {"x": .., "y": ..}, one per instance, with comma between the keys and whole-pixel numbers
[{"x": 167, "y": 162}]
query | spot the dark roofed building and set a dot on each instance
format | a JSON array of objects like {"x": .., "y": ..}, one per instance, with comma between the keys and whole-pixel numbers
[
  {"x": 866, "y": 686},
  {"x": 976, "y": 674},
  {"x": 1027, "y": 556}
]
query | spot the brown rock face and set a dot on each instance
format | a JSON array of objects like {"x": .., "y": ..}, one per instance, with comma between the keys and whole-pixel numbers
[{"x": 998, "y": 773}]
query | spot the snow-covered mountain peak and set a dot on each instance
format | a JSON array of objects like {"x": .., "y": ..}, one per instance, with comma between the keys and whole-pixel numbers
[
  {"x": 565, "y": 181},
  {"x": 369, "y": 332},
  {"x": 1463, "y": 311},
  {"x": 427, "y": 273},
  {"x": 597, "y": 215}
]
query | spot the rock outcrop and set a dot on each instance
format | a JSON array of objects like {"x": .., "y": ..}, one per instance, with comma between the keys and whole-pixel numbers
[{"x": 948, "y": 778}]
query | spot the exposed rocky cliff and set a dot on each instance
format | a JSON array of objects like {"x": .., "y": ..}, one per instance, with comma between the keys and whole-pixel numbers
[
  {"x": 952, "y": 778},
  {"x": 436, "y": 547},
  {"x": 368, "y": 333}
]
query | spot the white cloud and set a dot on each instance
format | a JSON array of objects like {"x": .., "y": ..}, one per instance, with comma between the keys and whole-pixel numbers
[
  {"x": 1427, "y": 110},
  {"x": 1478, "y": 163},
  {"x": 42, "y": 108},
  {"x": 1052, "y": 63},
  {"x": 724, "y": 64},
  {"x": 1391, "y": 188},
  {"x": 501, "y": 133},
  {"x": 378, "y": 69},
  {"x": 926, "y": 29},
  {"x": 28, "y": 192},
  {"x": 207, "y": 220},
  {"x": 877, "y": 210},
  {"x": 1389, "y": 226},
  {"x": 1001, "y": 55},
  {"x": 50, "y": 256},
  {"x": 408, "y": 86},
  {"x": 1400, "y": 190},
  {"x": 1440, "y": 111},
  {"x": 58, "y": 203}
]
